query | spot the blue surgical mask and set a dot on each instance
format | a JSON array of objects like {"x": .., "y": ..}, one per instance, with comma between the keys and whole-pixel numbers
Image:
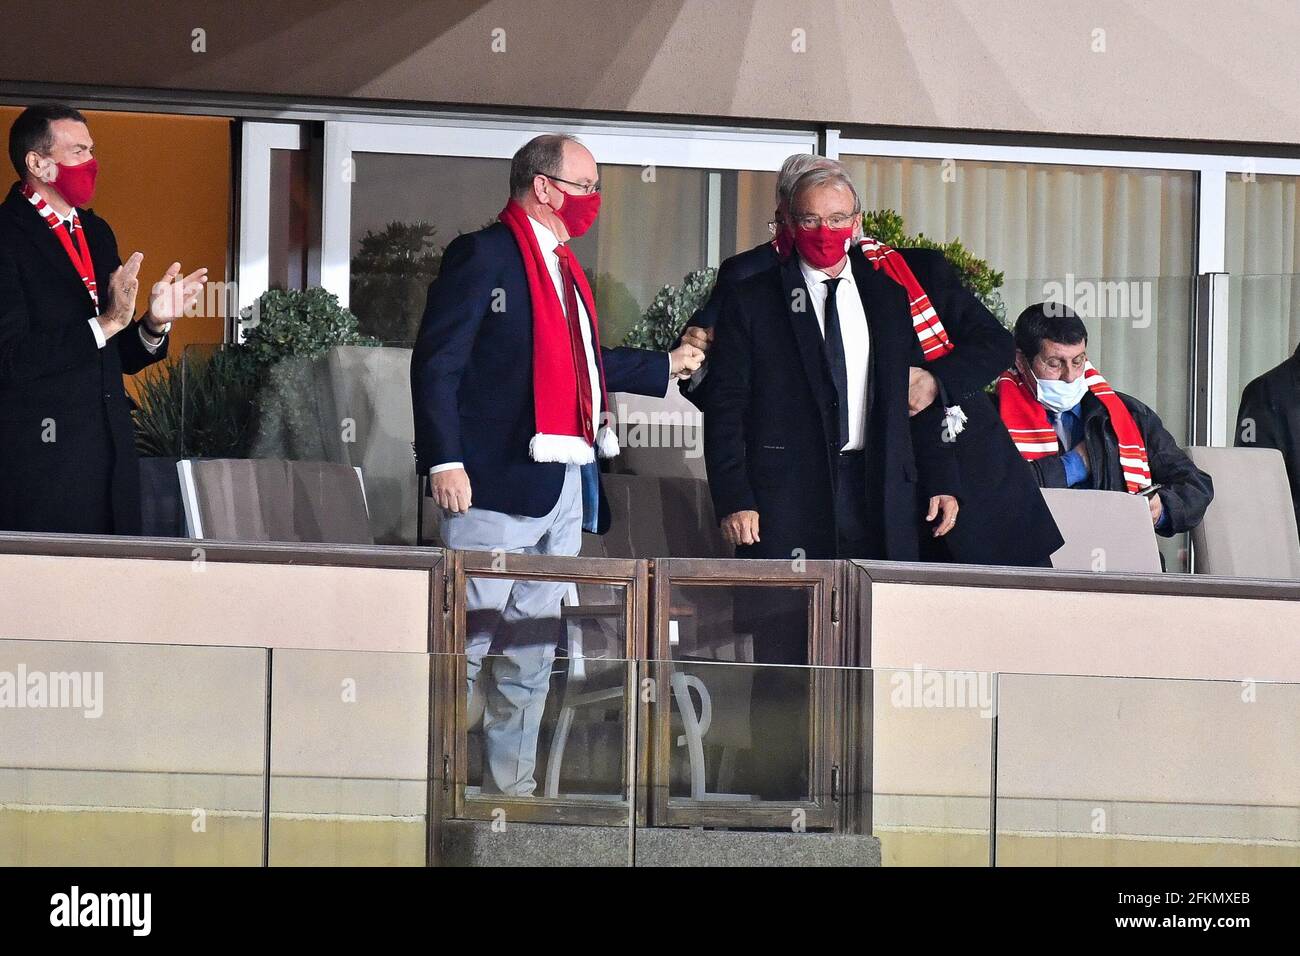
[{"x": 1059, "y": 395}]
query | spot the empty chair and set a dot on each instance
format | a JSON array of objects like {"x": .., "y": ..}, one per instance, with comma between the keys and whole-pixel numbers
[
  {"x": 269, "y": 499},
  {"x": 1250, "y": 527},
  {"x": 1103, "y": 531}
]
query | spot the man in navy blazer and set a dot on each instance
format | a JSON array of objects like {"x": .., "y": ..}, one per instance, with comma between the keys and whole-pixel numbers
[{"x": 507, "y": 479}]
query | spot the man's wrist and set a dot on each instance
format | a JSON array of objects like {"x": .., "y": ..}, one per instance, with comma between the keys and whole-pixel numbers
[{"x": 156, "y": 329}]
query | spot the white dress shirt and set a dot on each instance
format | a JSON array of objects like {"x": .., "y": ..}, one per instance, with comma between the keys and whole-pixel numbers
[
  {"x": 857, "y": 342},
  {"x": 548, "y": 241},
  {"x": 151, "y": 345}
]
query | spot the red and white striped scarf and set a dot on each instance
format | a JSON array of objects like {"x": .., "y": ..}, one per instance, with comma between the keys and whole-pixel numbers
[
  {"x": 925, "y": 321},
  {"x": 1026, "y": 420},
  {"x": 75, "y": 245}
]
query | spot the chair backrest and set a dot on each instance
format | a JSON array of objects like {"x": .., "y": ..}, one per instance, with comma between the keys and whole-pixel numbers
[
  {"x": 269, "y": 499},
  {"x": 1250, "y": 528},
  {"x": 1103, "y": 531},
  {"x": 660, "y": 437}
]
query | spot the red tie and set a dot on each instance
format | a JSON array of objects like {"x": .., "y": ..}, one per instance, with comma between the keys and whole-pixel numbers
[{"x": 580, "y": 368}]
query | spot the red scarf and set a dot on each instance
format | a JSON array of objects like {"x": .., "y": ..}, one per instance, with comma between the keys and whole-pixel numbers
[
  {"x": 1026, "y": 419},
  {"x": 925, "y": 321},
  {"x": 74, "y": 245},
  {"x": 565, "y": 430}
]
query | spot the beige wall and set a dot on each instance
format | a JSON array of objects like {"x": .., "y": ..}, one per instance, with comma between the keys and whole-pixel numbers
[
  {"x": 1084, "y": 632},
  {"x": 57, "y": 598},
  {"x": 1215, "y": 69}
]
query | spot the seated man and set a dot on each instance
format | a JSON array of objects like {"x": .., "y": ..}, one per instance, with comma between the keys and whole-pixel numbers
[
  {"x": 1078, "y": 432},
  {"x": 1270, "y": 418}
]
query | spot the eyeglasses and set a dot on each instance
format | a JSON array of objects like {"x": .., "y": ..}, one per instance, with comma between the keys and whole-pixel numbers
[
  {"x": 587, "y": 188},
  {"x": 837, "y": 221}
]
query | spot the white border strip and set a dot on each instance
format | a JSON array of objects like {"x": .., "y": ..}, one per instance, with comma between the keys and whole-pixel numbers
[{"x": 258, "y": 139}]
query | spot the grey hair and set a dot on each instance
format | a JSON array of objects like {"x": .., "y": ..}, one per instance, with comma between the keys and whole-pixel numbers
[
  {"x": 826, "y": 176},
  {"x": 541, "y": 155},
  {"x": 794, "y": 167}
]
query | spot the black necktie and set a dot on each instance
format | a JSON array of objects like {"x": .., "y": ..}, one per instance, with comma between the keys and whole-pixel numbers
[{"x": 835, "y": 357}]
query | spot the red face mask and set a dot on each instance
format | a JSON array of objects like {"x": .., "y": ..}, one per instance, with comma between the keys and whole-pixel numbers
[
  {"x": 76, "y": 184},
  {"x": 822, "y": 247},
  {"x": 578, "y": 212}
]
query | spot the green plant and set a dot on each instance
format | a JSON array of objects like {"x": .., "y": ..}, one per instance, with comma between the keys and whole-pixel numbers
[
  {"x": 391, "y": 273},
  {"x": 209, "y": 405},
  {"x": 201, "y": 405},
  {"x": 299, "y": 322},
  {"x": 670, "y": 310}
]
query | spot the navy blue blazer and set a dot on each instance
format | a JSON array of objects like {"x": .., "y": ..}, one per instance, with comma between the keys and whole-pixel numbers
[{"x": 472, "y": 376}]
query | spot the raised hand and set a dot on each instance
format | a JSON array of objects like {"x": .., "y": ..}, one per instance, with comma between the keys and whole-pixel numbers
[
  {"x": 123, "y": 285},
  {"x": 684, "y": 360},
  {"x": 172, "y": 297}
]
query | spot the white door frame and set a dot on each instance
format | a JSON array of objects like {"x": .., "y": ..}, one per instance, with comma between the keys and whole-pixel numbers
[{"x": 256, "y": 142}]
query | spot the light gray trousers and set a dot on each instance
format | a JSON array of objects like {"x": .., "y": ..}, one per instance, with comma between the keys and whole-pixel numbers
[{"x": 518, "y": 624}]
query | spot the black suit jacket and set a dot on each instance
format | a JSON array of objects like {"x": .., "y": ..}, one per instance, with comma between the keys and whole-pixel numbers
[
  {"x": 66, "y": 438},
  {"x": 768, "y": 433},
  {"x": 472, "y": 376},
  {"x": 1270, "y": 417},
  {"x": 733, "y": 269}
]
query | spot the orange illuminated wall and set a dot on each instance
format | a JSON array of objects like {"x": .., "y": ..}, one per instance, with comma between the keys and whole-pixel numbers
[{"x": 164, "y": 186}]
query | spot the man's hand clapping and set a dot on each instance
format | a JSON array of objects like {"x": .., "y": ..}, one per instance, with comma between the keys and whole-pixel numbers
[
  {"x": 172, "y": 297},
  {"x": 123, "y": 285}
]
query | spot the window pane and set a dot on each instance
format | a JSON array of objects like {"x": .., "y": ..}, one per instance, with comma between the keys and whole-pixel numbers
[
  {"x": 748, "y": 202},
  {"x": 399, "y": 234},
  {"x": 650, "y": 233},
  {"x": 1263, "y": 257},
  {"x": 288, "y": 241}
]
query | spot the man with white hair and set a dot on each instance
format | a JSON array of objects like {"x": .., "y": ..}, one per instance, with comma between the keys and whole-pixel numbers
[
  {"x": 841, "y": 382},
  {"x": 834, "y": 430}
]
